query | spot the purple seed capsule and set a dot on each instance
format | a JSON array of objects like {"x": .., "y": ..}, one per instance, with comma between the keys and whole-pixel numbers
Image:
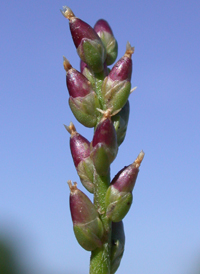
[
  {"x": 125, "y": 179},
  {"x": 119, "y": 197},
  {"x": 122, "y": 70},
  {"x": 87, "y": 225},
  {"x": 104, "y": 144},
  {"x": 80, "y": 150},
  {"x": 89, "y": 46},
  {"x": 79, "y": 145},
  {"x": 77, "y": 84},
  {"x": 116, "y": 86},
  {"x": 104, "y": 31},
  {"x": 83, "y": 100}
]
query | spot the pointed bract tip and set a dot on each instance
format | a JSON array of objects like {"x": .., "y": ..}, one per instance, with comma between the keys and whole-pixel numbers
[
  {"x": 129, "y": 50},
  {"x": 72, "y": 188},
  {"x": 133, "y": 89},
  {"x": 66, "y": 64},
  {"x": 67, "y": 12},
  {"x": 71, "y": 128},
  {"x": 139, "y": 159}
]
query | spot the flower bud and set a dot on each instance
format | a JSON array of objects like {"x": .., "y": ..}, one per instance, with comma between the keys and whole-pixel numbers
[
  {"x": 104, "y": 144},
  {"x": 87, "y": 225},
  {"x": 120, "y": 122},
  {"x": 89, "y": 46},
  {"x": 77, "y": 84},
  {"x": 119, "y": 197},
  {"x": 104, "y": 31},
  {"x": 117, "y": 245},
  {"x": 83, "y": 100},
  {"x": 80, "y": 150},
  {"x": 116, "y": 86}
]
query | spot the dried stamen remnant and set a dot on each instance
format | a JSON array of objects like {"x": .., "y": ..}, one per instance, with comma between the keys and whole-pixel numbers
[{"x": 67, "y": 12}]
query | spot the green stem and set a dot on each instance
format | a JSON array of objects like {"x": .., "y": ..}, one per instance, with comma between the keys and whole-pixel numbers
[
  {"x": 99, "y": 77},
  {"x": 100, "y": 257}
]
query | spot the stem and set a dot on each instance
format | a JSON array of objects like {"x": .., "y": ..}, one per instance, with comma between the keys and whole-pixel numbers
[
  {"x": 98, "y": 83},
  {"x": 100, "y": 257}
]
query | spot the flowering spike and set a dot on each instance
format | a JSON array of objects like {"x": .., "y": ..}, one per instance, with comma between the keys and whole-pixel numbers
[
  {"x": 87, "y": 226},
  {"x": 98, "y": 97},
  {"x": 104, "y": 31},
  {"x": 80, "y": 150},
  {"x": 119, "y": 195}
]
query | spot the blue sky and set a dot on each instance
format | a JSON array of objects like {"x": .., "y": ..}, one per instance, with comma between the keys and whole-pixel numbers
[{"x": 162, "y": 227}]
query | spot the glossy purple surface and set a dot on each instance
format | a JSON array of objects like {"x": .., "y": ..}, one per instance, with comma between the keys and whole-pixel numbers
[
  {"x": 122, "y": 70},
  {"x": 125, "y": 179},
  {"x": 80, "y": 148},
  {"x": 77, "y": 84},
  {"x": 102, "y": 25},
  {"x": 80, "y": 30},
  {"x": 105, "y": 133},
  {"x": 80, "y": 207}
]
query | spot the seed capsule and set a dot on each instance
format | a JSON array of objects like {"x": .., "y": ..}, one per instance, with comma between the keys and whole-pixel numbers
[
  {"x": 116, "y": 86},
  {"x": 89, "y": 46},
  {"x": 87, "y": 225},
  {"x": 80, "y": 150},
  {"x": 104, "y": 144},
  {"x": 104, "y": 31},
  {"x": 83, "y": 100},
  {"x": 119, "y": 197}
]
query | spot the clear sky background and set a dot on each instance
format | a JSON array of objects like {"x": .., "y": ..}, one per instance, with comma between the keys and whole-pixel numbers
[{"x": 163, "y": 226}]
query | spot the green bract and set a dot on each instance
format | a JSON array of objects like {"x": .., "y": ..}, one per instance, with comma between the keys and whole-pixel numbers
[
  {"x": 85, "y": 171},
  {"x": 84, "y": 109},
  {"x": 120, "y": 121},
  {"x": 93, "y": 54},
  {"x": 117, "y": 247},
  {"x": 117, "y": 204},
  {"x": 115, "y": 93}
]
